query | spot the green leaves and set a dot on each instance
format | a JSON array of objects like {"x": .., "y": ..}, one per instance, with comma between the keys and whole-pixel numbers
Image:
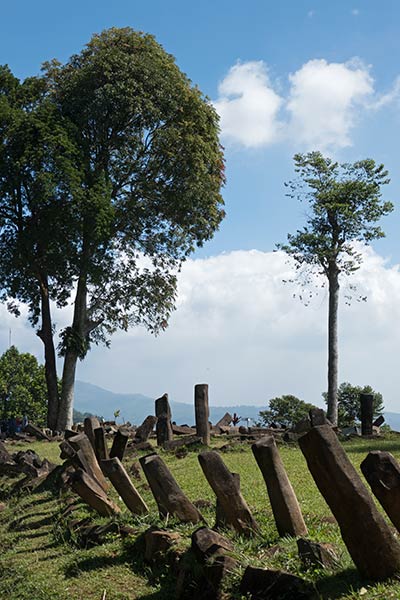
[
  {"x": 344, "y": 206},
  {"x": 22, "y": 386},
  {"x": 285, "y": 411},
  {"x": 349, "y": 406}
]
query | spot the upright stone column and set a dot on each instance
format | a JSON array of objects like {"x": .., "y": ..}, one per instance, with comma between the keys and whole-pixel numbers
[
  {"x": 202, "y": 412},
  {"x": 373, "y": 548},
  {"x": 163, "y": 426},
  {"x": 119, "y": 445},
  {"x": 225, "y": 487},
  {"x": 382, "y": 472},
  {"x": 367, "y": 413},
  {"x": 89, "y": 425},
  {"x": 100, "y": 444},
  {"x": 284, "y": 504}
]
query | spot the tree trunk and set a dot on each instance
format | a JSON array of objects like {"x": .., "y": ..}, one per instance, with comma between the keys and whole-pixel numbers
[
  {"x": 46, "y": 335},
  {"x": 64, "y": 420},
  {"x": 79, "y": 326},
  {"x": 333, "y": 353}
]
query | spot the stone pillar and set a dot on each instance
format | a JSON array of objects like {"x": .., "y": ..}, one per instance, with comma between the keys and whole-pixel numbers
[
  {"x": 169, "y": 497},
  {"x": 89, "y": 425},
  {"x": 88, "y": 489},
  {"x": 119, "y": 444},
  {"x": 382, "y": 472},
  {"x": 221, "y": 520},
  {"x": 143, "y": 432},
  {"x": 284, "y": 504},
  {"x": 202, "y": 412},
  {"x": 367, "y": 413},
  {"x": 81, "y": 444},
  {"x": 100, "y": 444},
  {"x": 223, "y": 483},
  {"x": 121, "y": 481},
  {"x": 163, "y": 414},
  {"x": 374, "y": 550}
]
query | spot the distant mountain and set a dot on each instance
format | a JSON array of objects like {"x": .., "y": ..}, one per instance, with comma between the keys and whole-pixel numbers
[
  {"x": 392, "y": 419},
  {"x": 135, "y": 407}
]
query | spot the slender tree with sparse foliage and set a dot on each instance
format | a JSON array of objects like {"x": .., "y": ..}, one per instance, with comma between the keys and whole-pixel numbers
[{"x": 345, "y": 204}]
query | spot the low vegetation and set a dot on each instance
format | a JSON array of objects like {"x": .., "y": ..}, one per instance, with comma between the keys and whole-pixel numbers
[{"x": 40, "y": 559}]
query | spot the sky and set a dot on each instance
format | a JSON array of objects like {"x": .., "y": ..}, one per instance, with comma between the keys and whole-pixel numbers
[{"x": 284, "y": 78}]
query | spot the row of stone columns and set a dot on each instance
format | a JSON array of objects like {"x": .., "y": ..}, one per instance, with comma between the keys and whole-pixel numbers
[{"x": 370, "y": 542}]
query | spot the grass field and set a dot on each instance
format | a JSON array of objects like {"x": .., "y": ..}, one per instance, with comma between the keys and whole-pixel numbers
[{"x": 40, "y": 561}]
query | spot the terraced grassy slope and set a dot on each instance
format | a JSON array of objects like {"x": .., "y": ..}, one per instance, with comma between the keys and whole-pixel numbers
[{"x": 40, "y": 560}]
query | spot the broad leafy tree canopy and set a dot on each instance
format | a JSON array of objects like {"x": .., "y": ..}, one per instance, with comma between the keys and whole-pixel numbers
[
  {"x": 150, "y": 167},
  {"x": 22, "y": 386},
  {"x": 285, "y": 411}
]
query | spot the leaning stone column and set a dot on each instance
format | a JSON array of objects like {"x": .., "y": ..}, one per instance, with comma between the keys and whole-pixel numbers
[
  {"x": 225, "y": 487},
  {"x": 120, "y": 479},
  {"x": 84, "y": 449},
  {"x": 202, "y": 412},
  {"x": 163, "y": 426},
  {"x": 90, "y": 491},
  {"x": 284, "y": 504},
  {"x": 167, "y": 493},
  {"x": 368, "y": 538},
  {"x": 367, "y": 413},
  {"x": 382, "y": 472}
]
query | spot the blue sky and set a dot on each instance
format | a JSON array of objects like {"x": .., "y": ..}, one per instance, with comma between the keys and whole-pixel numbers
[{"x": 285, "y": 77}]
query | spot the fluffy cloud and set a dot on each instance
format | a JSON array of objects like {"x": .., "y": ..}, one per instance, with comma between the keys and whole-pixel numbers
[
  {"x": 248, "y": 105},
  {"x": 319, "y": 111},
  {"x": 238, "y": 328},
  {"x": 323, "y": 102}
]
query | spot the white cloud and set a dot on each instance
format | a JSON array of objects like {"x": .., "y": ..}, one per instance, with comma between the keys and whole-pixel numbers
[
  {"x": 321, "y": 108},
  {"x": 383, "y": 100},
  {"x": 248, "y": 105},
  {"x": 239, "y": 329},
  {"x": 323, "y": 102}
]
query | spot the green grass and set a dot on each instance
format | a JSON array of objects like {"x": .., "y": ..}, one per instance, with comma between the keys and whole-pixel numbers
[{"x": 39, "y": 559}]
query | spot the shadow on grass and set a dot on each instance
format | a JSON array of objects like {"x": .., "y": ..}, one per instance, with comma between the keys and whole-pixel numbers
[
  {"x": 340, "y": 584},
  {"x": 132, "y": 557},
  {"x": 33, "y": 535},
  {"x": 33, "y": 525},
  {"x": 31, "y": 515}
]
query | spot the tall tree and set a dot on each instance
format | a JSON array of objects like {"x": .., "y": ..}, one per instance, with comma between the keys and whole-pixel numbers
[
  {"x": 150, "y": 168},
  {"x": 345, "y": 204},
  {"x": 36, "y": 182}
]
